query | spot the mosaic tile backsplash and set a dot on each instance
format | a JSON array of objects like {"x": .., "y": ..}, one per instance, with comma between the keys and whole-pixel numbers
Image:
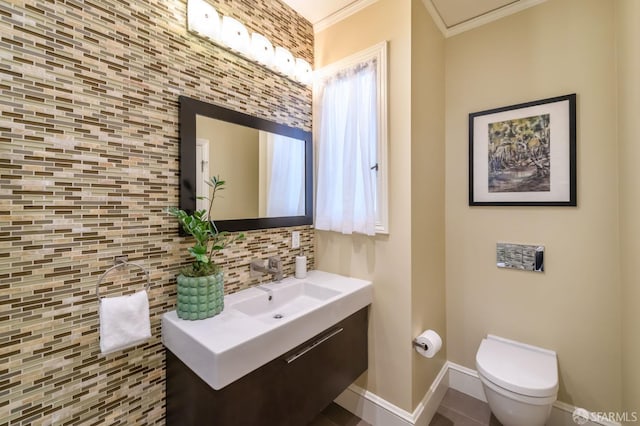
[{"x": 88, "y": 163}]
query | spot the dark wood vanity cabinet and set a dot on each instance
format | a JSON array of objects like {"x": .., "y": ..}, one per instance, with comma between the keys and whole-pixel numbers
[{"x": 290, "y": 390}]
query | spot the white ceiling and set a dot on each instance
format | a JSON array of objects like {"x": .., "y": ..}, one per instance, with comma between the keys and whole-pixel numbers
[{"x": 451, "y": 16}]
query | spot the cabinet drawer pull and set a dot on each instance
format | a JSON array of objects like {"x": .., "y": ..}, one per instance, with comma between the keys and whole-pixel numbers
[{"x": 315, "y": 343}]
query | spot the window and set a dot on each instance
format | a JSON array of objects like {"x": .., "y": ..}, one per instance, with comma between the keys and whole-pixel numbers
[{"x": 350, "y": 120}]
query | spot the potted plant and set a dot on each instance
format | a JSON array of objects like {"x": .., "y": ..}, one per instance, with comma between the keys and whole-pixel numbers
[{"x": 201, "y": 284}]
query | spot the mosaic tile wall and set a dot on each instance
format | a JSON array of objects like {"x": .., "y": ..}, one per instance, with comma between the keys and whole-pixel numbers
[{"x": 88, "y": 162}]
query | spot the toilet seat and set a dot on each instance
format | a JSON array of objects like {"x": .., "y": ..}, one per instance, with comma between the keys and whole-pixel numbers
[{"x": 527, "y": 372}]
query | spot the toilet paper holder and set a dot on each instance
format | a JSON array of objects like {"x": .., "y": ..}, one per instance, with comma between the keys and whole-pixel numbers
[{"x": 422, "y": 346}]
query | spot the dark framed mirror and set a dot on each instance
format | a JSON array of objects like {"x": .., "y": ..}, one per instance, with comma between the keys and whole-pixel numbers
[{"x": 267, "y": 167}]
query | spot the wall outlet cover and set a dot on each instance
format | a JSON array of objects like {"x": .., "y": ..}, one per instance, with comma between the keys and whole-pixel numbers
[{"x": 295, "y": 239}]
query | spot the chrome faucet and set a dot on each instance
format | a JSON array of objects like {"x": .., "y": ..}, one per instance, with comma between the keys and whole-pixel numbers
[{"x": 274, "y": 267}]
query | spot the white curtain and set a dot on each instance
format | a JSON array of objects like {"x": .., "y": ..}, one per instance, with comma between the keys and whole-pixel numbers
[
  {"x": 347, "y": 152},
  {"x": 285, "y": 171}
]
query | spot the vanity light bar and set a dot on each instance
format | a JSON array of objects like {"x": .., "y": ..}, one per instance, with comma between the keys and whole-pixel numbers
[{"x": 227, "y": 32}]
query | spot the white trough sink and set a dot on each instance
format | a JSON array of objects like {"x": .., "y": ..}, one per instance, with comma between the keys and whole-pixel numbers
[
  {"x": 253, "y": 330},
  {"x": 285, "y": 301}
]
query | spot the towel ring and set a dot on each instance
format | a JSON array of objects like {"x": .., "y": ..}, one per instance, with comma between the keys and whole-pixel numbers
[{"x": 121, "y": 263}]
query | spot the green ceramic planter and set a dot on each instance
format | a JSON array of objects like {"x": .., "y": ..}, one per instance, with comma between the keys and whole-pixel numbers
[{"x": 200, "y": 297}]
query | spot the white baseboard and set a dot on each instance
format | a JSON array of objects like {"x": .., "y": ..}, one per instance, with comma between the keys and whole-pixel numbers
[
  {"x": 371, "y": 408},
  {"x": 379, "y": 412},
  {"x": 427, "y": 408},
  {"x": 467, "y": 381}
]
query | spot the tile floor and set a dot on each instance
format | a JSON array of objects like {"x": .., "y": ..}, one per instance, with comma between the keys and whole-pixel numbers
[
  {"x": 460, "y": 409},
  {"x": 456, "y": 409},
  {"x": 335, "y": 415}
]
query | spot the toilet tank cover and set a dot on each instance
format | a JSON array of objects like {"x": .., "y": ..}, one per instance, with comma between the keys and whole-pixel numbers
[{"x": 520, "y": 368}]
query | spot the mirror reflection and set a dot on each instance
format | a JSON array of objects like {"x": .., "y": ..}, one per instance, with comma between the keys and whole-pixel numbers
[
  {"x": 268, "y": 167},
  {"x": 265, "y": 172}
]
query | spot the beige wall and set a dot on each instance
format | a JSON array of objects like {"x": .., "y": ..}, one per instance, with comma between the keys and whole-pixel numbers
[
  {"x": 232, "y": 146},
  {"x": 427, "y": 192},
  {"x": 384, "y": 259},
  {"x": 590, "y": 285},
  {"x": 628, "y": 24},
  {"x": 556, "y": 48},
  {"x": 407, "y": 266}
]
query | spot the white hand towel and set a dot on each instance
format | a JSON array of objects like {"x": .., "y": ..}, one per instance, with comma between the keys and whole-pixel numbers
[{"x": 124, "y": 321}]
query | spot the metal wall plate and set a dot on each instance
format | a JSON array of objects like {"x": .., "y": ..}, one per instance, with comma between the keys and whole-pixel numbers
[{"x": 524, "y": 257}]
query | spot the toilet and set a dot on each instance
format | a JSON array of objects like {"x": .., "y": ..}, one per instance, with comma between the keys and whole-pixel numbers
[{"x": 520, "y": 381}]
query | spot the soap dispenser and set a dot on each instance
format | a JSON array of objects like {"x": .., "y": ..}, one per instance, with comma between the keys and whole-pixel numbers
[{"x": 301, "y": 266}]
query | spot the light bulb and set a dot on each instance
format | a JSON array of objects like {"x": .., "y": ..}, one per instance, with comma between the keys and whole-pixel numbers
[
  {"x": 261, "y": 49},
  {"x": 284, "y": 61},
  {"x": 235, "y": 35},
  {"x": 303, "y": 71},
  {"x": 203, "y": 19}
]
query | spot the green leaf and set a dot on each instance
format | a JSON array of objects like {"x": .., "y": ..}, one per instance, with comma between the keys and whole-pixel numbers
[{"x": 207, "y": 238}]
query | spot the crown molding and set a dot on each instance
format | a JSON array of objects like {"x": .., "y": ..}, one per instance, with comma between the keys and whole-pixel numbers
[
  {"x": 341, "y": 14},
  {"x": 480, "y": 20}
]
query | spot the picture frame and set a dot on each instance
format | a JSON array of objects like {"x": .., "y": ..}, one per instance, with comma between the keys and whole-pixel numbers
[{"x": 524, "y": 154}]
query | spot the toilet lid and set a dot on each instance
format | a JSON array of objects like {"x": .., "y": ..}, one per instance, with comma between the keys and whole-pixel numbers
[{"x": 517, "y": 367}]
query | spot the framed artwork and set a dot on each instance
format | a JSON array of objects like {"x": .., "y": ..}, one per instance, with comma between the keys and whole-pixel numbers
[{"x": 524, "y": 155}]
